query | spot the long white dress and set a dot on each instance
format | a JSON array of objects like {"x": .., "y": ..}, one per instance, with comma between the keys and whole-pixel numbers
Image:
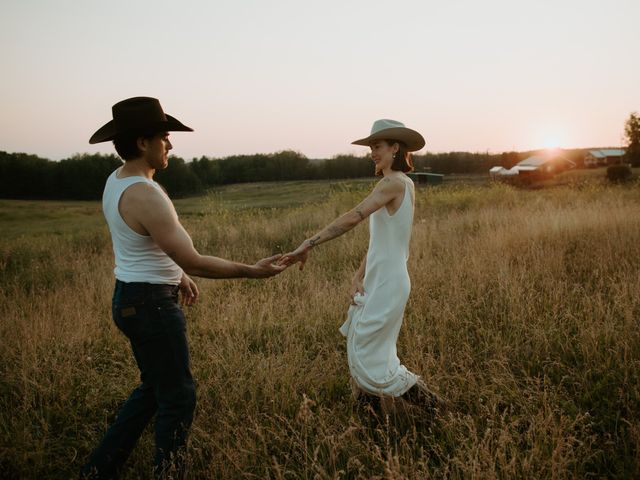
[{"x": 373, "y": 324}]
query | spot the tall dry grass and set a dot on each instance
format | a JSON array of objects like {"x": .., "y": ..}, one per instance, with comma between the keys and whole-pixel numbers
[{"x": 523, "y": 313}]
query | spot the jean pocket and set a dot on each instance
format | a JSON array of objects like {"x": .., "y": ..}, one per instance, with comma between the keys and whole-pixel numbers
[{"x": 130, "y": 318}]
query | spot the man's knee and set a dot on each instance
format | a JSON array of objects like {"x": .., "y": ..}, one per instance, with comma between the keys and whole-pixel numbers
[
  {"x": 181, "y": 399},
  {"x": 190, "y": 397}
]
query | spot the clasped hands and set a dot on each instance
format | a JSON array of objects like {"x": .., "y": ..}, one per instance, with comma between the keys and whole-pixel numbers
[{"x": 299, "y": 255}]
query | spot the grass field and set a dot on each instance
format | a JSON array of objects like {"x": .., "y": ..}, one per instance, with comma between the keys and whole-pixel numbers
[{"x": 524, "y": 313}]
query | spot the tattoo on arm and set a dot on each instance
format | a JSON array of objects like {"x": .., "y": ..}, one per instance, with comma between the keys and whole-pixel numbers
[
  {"x": 333, "y": 232},
  {"x": 336, "y": 231},
  {"x": 359, "y": 212}
]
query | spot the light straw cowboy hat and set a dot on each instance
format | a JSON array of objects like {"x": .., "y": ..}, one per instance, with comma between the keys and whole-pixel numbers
[
  {"x": 386, "y": 129},
  {"x": 137, "y": 115}
]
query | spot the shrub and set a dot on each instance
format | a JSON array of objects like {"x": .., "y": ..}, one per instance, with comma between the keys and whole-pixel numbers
[{"x": 618, "y": 173}]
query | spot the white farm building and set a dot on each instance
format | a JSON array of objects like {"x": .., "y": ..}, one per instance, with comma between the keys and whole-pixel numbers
[{"x": 603, "y": 157}]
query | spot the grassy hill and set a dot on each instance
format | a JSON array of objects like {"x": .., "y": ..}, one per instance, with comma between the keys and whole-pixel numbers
[{"x": 524, "y": 313}]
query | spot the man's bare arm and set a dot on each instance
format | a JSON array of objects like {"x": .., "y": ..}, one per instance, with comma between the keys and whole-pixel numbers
[{"x": 161, "y": 222}]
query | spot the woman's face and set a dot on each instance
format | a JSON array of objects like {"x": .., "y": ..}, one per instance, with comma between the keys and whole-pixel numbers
[{"x": 382, "y": 154}]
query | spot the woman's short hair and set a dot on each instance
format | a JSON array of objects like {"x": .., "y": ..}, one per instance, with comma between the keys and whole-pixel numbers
[
  {"x": 402, "y": 160},
  {"x": 127, "y": 144}
]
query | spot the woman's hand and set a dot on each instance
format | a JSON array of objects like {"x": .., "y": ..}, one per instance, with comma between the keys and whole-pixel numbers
[
  {"x": 356, "y": 287},
  {"x": 188, "y": 290},
  {"x": 300, "y": 254}
]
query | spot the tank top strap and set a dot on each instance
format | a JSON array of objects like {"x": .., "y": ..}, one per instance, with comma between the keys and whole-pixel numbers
[
  {"x": 408, "y": 195},
  {"x": 126, "y": 182}
]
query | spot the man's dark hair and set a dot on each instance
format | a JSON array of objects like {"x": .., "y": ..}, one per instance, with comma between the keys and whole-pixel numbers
[{"x": 126, "y": 144}]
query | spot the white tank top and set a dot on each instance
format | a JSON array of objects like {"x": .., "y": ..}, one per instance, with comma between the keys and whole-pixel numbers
[{"x": 138, "y": 257}]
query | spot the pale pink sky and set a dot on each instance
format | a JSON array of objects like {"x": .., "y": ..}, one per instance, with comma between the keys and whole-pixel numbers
[{"x": 261, "y": 76}]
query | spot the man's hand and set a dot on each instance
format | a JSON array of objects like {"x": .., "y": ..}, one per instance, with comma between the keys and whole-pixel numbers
[
  {"x": 188, "y": 290},
  {"x": 268, "y": 267}
]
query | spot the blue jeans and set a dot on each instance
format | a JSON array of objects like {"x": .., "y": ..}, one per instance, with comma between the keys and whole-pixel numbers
[{"x": 151, "y": 318}]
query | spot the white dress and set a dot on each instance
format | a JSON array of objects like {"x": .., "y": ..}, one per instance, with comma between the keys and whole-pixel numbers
[{"x": 373, "y": 324}]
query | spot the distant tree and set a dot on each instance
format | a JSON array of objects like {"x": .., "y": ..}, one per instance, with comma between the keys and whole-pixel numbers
[
  {"x": 347, "y": 166},
  {"x": 179, "y": 179},
  {"x": 207, "y": 170},
  {"x": 287, "y": 165},
  {"x": 457, "y": 162},
  {"x": 509, "y": 159},
  {"x": 26, "y": 176},
  {"x": 632, "y": 135},
  {"x": 82, "y": 177}
]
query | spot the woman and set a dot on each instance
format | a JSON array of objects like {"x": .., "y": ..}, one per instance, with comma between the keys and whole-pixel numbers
[{"x": 381, "y": 286}]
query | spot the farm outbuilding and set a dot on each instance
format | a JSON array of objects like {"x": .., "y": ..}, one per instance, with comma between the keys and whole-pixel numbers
[
  {"x": 537, "y": 166},
  {"x": 603, "y": 157},
  {"x": 544, "y": 166},
  {"x": 502, "y": 172},
  {"x": 423, "y": 178}
]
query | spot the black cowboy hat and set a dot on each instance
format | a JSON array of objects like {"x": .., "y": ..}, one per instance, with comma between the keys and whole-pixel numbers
[{"x": 137, "y": 115}]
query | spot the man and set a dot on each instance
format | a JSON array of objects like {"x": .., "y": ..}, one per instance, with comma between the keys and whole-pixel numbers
[{"x": 154, "y": 256}]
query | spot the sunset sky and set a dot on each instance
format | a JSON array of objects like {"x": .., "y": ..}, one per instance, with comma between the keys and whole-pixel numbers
[{"x": 262, "y": 76}]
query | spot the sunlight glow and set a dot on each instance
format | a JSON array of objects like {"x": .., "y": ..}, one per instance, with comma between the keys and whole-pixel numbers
[
  {"x": 552, "y": 139},
  {"x": 552, "y": 143}
]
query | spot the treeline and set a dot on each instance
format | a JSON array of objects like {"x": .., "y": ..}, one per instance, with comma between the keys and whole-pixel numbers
[
  {"x": 82, "y": 177},
  {"x": 464, "y": 162}
]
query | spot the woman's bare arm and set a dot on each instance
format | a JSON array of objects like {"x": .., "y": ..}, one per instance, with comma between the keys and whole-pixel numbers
[{"x": 385, "y": 191}]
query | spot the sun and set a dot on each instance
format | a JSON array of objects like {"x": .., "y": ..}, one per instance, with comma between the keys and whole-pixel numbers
[
  {"x": 551, "y": 143},
  {"x": 552, "y": 138}
]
